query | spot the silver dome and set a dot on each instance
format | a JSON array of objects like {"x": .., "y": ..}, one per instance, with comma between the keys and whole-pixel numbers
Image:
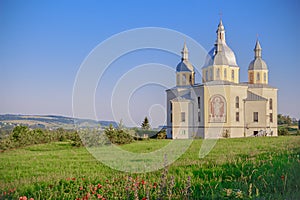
[
  {"x": 223, "y": 57},
  {"x": 258, "y": 64}
]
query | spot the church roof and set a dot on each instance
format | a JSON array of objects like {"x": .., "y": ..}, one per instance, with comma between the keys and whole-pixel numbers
[
  {"x": 254, "y": 97},
  {"x": 185, "y": 65},
  {"x": 258, "y": 63},
  {"x": 220, "y": 54}
]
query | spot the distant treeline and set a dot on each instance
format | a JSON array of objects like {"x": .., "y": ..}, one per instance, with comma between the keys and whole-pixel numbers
[{"x": 22, "y": 136}]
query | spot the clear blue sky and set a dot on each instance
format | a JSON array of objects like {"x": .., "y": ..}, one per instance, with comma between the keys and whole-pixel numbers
[{"x": 43, "y": 43}]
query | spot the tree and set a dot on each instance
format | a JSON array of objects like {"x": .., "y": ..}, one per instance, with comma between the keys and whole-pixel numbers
[{"x": 145, "y": 124}]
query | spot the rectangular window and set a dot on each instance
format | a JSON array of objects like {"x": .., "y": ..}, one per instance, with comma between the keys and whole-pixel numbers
[
  {"x": 271, "y": 104},
  {"x": 199, "y": 116},
  {"x": 237, "y": 102},
  {"x": 182, "y": 116},
  {"x": 171, "y": 118},
  {"x": 255, "y": 116},
  {"x": 271, "y": 117},
  {"x": 237, "y": 116},
  {"x": 199, "y": 102}
]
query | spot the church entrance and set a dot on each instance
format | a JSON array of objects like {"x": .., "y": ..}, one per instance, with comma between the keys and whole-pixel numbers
[{"x": 255, "y": 133}]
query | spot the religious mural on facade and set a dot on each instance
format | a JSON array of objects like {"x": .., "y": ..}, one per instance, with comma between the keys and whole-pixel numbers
[{"x": 217, "y": 109}]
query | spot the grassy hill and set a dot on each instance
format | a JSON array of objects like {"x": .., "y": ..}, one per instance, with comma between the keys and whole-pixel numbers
[{"x": 245, "y": 168}]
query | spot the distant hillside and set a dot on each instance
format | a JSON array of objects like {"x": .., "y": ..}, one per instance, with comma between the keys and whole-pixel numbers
[{"x": 50, "y": 122}]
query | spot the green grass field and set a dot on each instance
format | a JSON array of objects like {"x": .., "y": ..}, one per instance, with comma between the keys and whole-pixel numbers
[{"x": 246, "y": 168}]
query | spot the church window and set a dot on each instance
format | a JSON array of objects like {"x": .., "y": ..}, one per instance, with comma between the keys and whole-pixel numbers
[
  {"x": 271, "y": 117},
  {"x": 199, "y": 102},
  {"x": 232, "y": 74},
  {"x": 171, "y": 107},
  {"x": 225, "y": 73},
  {"x": 178, "y": 79},
  {"x": 237, "y": 102},
  {"x": 211, "y": 74},
  {"x": 182, "y": 116},
  {"x": 258, "y": 76},
  {"x": 255, "y": 117},
  {"x": 199, "y": 116},
  {"x": 237, "y": 116},
  {"x": 251, "y": 77},
  {"x": 183, "y": 79},
  {"x": 265, "y": 77},
  {"x": 191, "y": 83},
  {"x": 271, "y": 104},
  {"x": 171, "y": 118},
  {"x": 218, "y": 73},
  {"x": 206, "y": 75}
]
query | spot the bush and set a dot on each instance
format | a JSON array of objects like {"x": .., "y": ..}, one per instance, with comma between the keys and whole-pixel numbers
[
  {"x": 118, "y": 135},
  {"x": 22, "y": 136},
  {"x": 283, "y": 130}
]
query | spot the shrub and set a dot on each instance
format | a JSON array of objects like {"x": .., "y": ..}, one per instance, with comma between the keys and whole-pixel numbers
[
  {"x": 118, "y": 135},
  {"x": 283, "y": 130}
]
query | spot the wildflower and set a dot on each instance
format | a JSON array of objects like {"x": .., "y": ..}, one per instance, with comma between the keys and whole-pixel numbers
[
  {"x": 143, "y": 182},
  {"x": 282, "y": 177},
  {"x": 31, "y": 198},
  {"x": 144, "y": 198},
  {"x": 80, "y": 188},
  {"x": 73, "y": 179},
  {"x": 99, "y": 196},
  {"x": 99, "y": 185},
  {"x": 68, "y": 179},
  {"x": 23, "y": 198},
  {"x": 154, "y": 185}
]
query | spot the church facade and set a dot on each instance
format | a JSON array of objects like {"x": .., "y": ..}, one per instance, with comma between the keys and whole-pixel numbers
[{"x": 221, "y": 106}]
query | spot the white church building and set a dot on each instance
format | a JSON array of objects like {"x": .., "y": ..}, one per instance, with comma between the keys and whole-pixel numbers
[{"x": 221, "y": 106}]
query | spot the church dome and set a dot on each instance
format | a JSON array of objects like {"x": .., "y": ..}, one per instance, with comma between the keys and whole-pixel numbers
[
  {"x": 257, "y": 64},
  {"x": 220, "y": 54},
  {"x": 224, "y": 56},
  {"x": 184, "y": 66}
]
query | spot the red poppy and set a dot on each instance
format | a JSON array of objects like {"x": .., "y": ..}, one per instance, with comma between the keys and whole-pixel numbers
[
  {"x": 99, "y": 196},
  {"x": 99, "y": 185},
  {"x": 282, "y": 177},
  {"x": 73, "y": 179}
]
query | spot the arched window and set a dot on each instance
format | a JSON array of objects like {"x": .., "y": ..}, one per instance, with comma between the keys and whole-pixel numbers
[
  {"x": 183, "y": 79},
  {"x": 237, "y": 102},
  {"x": 191, "y": 82},
  {"x": 258, "y": 76},
  {"x": 265, "y": 77},
  {"x": 211, "y": 74},
  {"x": 206, "y": 75},
  {"x": 218, "y": 73},
  {"x": 271, "y": 104},
  {"x": 232, "y": 74},
  {"x": 225, "y": 73},
  {"x": 251, "y": 77}
]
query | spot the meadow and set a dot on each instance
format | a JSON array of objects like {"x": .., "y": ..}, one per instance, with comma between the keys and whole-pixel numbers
[{"x": 244, "y": 168}]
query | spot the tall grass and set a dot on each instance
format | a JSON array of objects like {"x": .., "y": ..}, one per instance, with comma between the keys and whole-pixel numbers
[{"x": 247, "y": 168}]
